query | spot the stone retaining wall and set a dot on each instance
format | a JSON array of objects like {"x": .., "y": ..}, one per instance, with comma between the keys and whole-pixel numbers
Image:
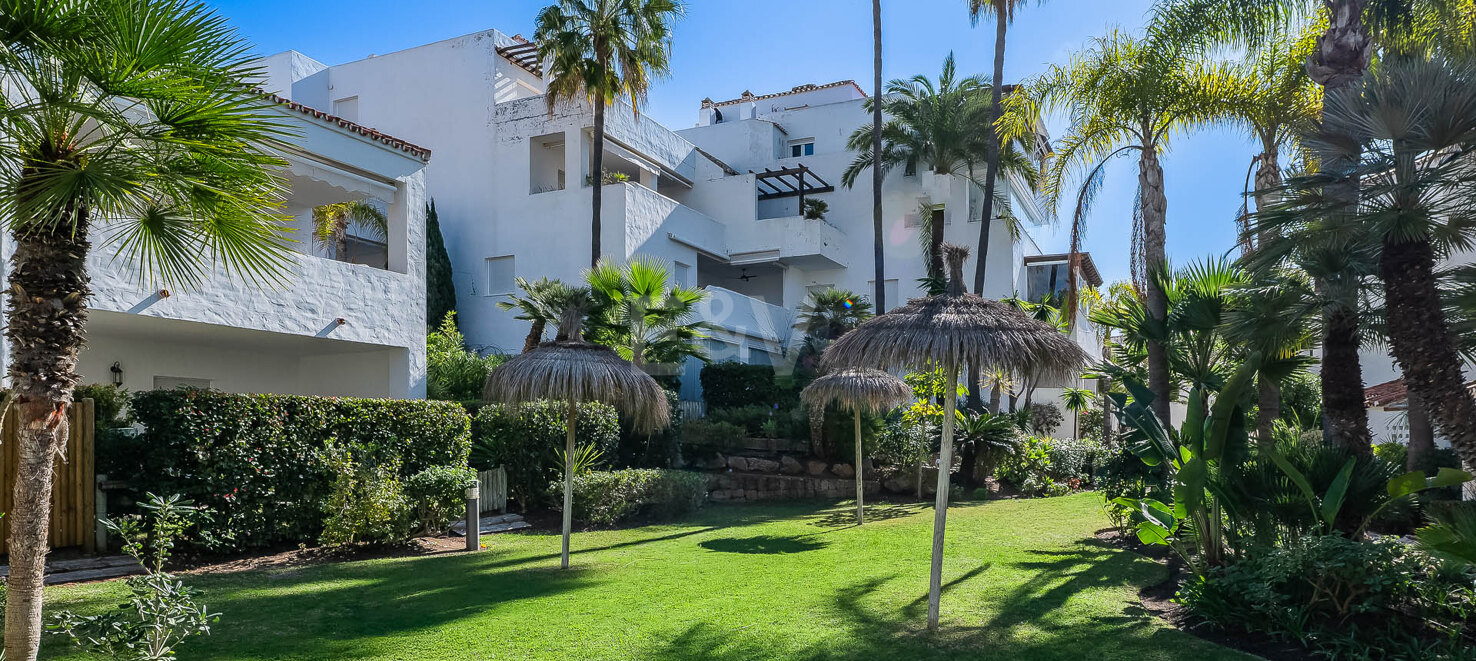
[{"x": 741, "y": 487}]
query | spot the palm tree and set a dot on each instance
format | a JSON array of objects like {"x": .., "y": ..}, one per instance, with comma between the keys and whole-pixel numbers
[
  {"x": 939, "y": 126},
  {"x": 541, "y": 305},
  {"x": 599, "y": 50},
  {"x": 148, "y": 135},
  {"x": 828, "y": 314},
  {"x": 1004, "y": 14},
  {"x": 877, "y": 239},
  {"x": 1413, "y": 124},
  {"x": 331, "y": 223},
  {"x": 643, "y": 317},
  {"x": 1076, "y": 401},
  {"x": 1125, "y": 96}
]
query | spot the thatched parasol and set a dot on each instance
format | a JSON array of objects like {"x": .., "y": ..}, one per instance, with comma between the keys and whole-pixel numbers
[
  {"x": 574, "y": 371},
  {"x": 952, "y": 330},
  {"x": 862, "y": 391}
]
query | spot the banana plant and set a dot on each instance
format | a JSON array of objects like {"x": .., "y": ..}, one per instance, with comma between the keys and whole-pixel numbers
[{"x": 1188, "y": 457}]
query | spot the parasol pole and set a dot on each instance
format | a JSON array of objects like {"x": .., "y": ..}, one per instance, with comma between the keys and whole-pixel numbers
[{"x": 940, "y": 506}]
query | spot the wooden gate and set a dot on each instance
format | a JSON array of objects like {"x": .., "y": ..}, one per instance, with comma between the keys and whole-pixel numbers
[{"x": 74, "y": 490}]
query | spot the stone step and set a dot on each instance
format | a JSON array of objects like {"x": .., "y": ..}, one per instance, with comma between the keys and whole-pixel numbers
[
  {"x": 93, "y": 574},
  {"x": 78, "y": 564},
  {"x": 492, "y": 524}
]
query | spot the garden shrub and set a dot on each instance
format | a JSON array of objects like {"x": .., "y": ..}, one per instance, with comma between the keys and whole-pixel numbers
[
  {"x": 711, "y": 433},
  {"x": 1045, "y": 419},
  {"x": 661, "y": 449},
  {"x": 258, "y": 464},
  {"x": 730, "y": 384},
  {"x": 607, "y": 497},
  {"x": 1342, "y": 598},
  {"x": 1050, "y": 466},
  {"x": 438, "y": 495},
  {"x": 452, "y": 371},
  {"x": 366, "y": 504},
  {"x": 1392, "y": 452},
  {"x": 527, "y": 441}
]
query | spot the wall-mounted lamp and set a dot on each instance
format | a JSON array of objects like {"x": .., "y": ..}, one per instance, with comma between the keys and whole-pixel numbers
[
  {"x": 117, "y": 370},
  {"x": 163, "y": 293},
  {"x": 340, "y": 321}
]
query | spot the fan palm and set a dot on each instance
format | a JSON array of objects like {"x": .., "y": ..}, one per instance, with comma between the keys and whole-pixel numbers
[
  {"x": 1414, "y": 122},
  {"x": 124, "y": 118},
  {"x": 1076, "y": 401},
  {"x": 830, "y": 313},
  {"x": 540, "y": 305},
  {"x": 939, "y": 126},
  {"x": 1004, "y": 14},
  {"x": 1273, "y": 315},
  {"x": 600, "y": 50},
  {"x": 332, "y": 222},
  {"x": 1124, "y": 96},
  {"x": 643, "y": 317}
]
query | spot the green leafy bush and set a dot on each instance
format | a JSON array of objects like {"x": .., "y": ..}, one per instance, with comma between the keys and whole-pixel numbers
[
  {"x": 438, "y": 496},
  {"x": 161, "y": 611},
  {"x": 729, "y": 384},
  {"x": 1392, "y": 452},
  {"x": 708, "y": 432},
  {"x": 258, "y": 462},
  {"x": 366, "y": 504},
  {"x": 108, "y": 403},
  {"x": 607, "y": 497},
  {"x": 1050, "y": 466},
  {"x": 1044, "y": 419},
  {"x": 527, "y": 440},
  {"x": 453, "y": 372},
  {"x": 1342, "y": 598}
]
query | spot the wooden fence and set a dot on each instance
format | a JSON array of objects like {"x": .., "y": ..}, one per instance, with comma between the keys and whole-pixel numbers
[
  {"x": 492, "y": 490},
  {"x": 73, "y": 492}
]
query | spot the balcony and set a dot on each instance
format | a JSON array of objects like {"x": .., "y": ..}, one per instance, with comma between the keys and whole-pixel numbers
[
  {"x": 813, "y": 245},
  {"x": 744, "y": 315}
]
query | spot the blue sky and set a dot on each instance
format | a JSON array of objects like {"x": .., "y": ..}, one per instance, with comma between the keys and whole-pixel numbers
[{"x": 723, "y": 47}]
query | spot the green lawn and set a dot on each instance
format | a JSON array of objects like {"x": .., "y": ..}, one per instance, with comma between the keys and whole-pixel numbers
[{"x": 1024, "y": 580}]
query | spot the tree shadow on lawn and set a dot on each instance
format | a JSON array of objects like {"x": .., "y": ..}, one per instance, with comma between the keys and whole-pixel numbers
[
  {"x": 763, "y": 544},
  {"x": 845, "y": 517},
  {"x": 873, "y": 628}
]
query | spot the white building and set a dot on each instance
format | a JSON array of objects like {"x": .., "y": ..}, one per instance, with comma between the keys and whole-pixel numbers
[
  {"x": 720, "y": 201},
  {"x": 334, "y": 328}
]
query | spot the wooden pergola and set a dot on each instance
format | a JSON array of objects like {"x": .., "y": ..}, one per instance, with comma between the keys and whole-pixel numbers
[
  {"x": 797, "y": 181},
  {"x": 524, "y": 55}
]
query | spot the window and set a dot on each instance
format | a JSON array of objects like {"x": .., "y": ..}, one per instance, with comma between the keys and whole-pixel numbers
[
  {"x": 1046, "y": 281},
  {"x": 172, "y": 382},
  {"x": 758, "y": 356},
  {"x": 681, "y": 275},
  {"x": 802, "y": 148},
  {"x": 347, "y": 108},
  {"x": 500, "y": 276},
  {"x": 719, "y": 351},
  {"x": 910, "y": 220},
  {"x": 889, "y": 288},
  {"x": 939, "y": 217}
]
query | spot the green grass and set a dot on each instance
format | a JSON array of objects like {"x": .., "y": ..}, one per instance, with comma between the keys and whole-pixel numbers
[{"x": 1024, "y": 580}]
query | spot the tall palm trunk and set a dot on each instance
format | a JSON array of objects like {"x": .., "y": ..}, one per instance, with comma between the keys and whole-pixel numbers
[
  {"x": 878, "y": 241},
  {"x": 597, "y": 175},
  {"x": 48, "y": 295},
  {"x": 1343, "y": 53},
  {"x": 935, "y": 245},
  {"x": 991, "y": 168},
  {"x": 1154, "y": 206},
  {"x": 1421, "y": 342},
  {"x": 1420, "y": 456},
  {"x": 1268, "y": 181}
]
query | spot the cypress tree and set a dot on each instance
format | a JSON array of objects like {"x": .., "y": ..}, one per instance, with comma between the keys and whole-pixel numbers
[{"x": 440, "y": 289}]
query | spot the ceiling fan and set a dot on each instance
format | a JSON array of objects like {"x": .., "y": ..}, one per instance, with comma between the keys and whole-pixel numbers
[{"x": 744, "y": 276}]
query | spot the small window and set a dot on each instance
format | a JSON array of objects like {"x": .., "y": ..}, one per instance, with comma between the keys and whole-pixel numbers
[
  {"x": 681, "y": 275},
  {"x": 798, "y": 149},
  {"x": 910, "y": 220},
  {"x": 172, "y": 382},
  {"x": 758, "y": 356},
  {"x": 500, "y": 276},
  {"x": 347, "y": 108},
  {"x": 889, "y": 289}
]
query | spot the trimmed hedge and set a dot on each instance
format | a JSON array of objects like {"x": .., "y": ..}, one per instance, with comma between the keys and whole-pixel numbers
[
  {"x": 729, "y": 384},
  {"x": 606, "y": 497},
  {"x": 528, "y": 441},
  {"x": 258, "y": 462}
]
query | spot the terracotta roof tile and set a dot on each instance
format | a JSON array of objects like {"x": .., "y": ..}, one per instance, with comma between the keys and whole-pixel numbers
[
  {"x": 1393, "y": 392},
  {"x": 800, "y": 89},
  {"x": 415, "y": 150}
]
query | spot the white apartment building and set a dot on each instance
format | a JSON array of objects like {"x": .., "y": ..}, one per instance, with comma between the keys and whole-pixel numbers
[
  {"x": 720, "y": 201},
  {"x": 333, "y": 328}
]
